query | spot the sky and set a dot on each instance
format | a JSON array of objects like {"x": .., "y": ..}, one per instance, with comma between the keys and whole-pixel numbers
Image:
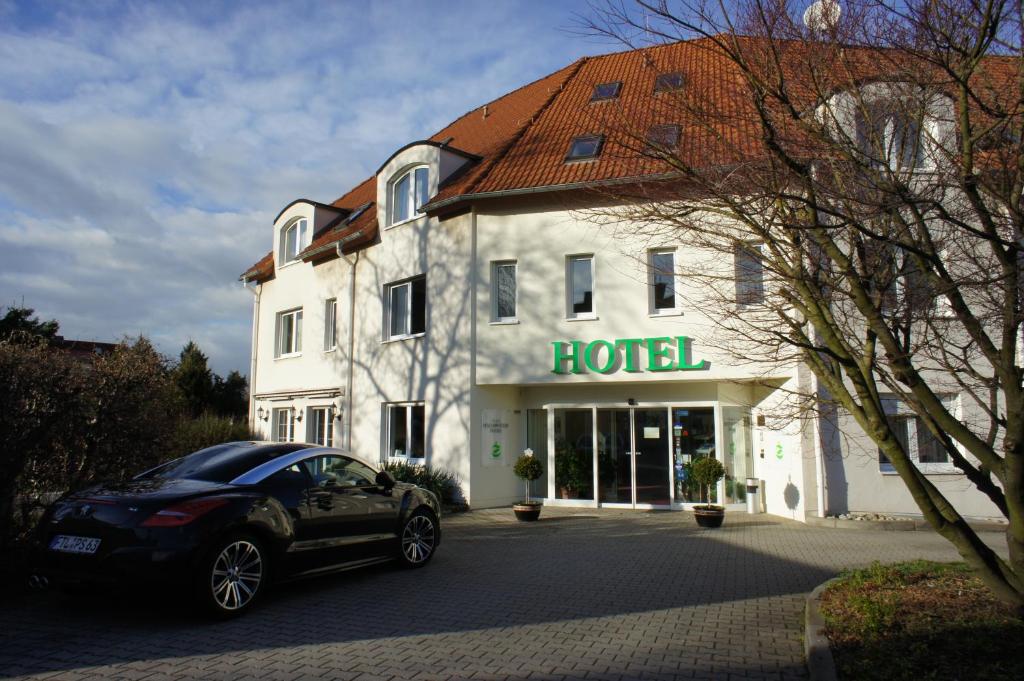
[{"x": 145, "y": 147}]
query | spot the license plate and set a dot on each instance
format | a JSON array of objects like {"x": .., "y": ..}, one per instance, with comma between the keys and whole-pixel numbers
[{"x": 69, "y": 544}]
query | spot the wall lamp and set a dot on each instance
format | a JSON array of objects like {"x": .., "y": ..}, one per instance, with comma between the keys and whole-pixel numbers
[
  {"x": 262, "y": 414},
  {"x": 296, "y": 414}
]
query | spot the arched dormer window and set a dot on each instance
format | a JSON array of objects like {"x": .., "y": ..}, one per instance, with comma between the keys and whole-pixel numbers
[
  {"x": 294, "y": 238},
  {"x": 409, "y": 191}
]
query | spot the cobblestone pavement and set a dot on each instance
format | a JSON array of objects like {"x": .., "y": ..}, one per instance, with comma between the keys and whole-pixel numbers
[{"x": 581, "y": 594}]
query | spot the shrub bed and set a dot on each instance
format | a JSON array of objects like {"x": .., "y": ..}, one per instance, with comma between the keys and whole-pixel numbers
[
  {"x": 921, "y": 620},
  {"x": 441, "y": 482}
]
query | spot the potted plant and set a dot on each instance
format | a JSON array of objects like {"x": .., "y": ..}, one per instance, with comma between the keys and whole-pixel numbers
[
  {"x": 706, "y": 472},
  {"x": 528, "y": 469},
  {"x": 572, "y": 470}
]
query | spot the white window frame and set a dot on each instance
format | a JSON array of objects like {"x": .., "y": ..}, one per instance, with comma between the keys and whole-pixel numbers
[
  {"x": 570, "y": 315},
  {"x": 389, "y": 312},
  {"x": 279, "y": 330},
  {"x": 652, "y": 308},
  {"x": 330, "y": 324},
  {"x": 496, "y": 318},
  {"x": 410, "y": 199},
  {"x": 288, "y": 421},
  {"x": 389, "y": 451},
  {"x": 896, "y": 408},
  {"x": 302, "y": 240},
  {"x": 313, "y": 431}
]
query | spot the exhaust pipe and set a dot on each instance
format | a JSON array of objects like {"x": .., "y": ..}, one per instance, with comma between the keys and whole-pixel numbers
[{"x": 39, "y": 582}]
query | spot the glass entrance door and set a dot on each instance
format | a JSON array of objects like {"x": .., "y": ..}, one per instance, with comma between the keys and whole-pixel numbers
[{"x": 633, "y": 457}]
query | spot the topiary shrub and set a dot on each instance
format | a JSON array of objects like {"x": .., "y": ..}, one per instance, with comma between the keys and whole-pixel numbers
[
  {"x": 707, "y": 471},
  {"x": 528, "y": 468}
]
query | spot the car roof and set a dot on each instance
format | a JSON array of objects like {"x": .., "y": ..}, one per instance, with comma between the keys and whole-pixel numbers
[{"x": 298, "y": 452}]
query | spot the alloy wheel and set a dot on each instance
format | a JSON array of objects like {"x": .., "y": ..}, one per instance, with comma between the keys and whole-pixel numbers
[
  {"x": 418, "y": 539},
  {"x": 236, "y": 575}
]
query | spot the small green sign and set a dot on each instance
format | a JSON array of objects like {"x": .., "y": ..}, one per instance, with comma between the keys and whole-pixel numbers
[
  {"x": 496, "y": 450},
  {"x": 778, "y": 451}
]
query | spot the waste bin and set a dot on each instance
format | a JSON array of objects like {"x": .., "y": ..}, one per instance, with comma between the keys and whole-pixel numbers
[{"x": 753, "y": 495}]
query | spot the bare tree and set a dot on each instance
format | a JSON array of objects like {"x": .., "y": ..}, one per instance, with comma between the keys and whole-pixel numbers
[{"x": 867, "y": 169}]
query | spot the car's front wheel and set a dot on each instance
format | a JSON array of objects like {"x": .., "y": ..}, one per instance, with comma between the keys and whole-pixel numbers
[
  {"x": 233, "y": 576},
  {"x": 418, "y": 538}
]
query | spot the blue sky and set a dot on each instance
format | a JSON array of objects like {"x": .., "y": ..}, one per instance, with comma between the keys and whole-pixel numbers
[{"x": 145, "y": 147}]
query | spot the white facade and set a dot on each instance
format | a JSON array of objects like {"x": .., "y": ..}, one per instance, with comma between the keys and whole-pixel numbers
[{"x": 466, "y": 382}]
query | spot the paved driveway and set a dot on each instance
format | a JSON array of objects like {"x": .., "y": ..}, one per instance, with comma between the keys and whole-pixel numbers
[{"x": 581, "y": 594}]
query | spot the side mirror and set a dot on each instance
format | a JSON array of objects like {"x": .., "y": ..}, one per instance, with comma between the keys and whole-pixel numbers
[{"x": 385, "y": 480}]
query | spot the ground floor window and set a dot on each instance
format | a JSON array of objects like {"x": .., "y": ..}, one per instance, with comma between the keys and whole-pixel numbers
[
  {"x": 739, "y": 452},
  {"x": 284, "y": 425},
  {"x": 574, "y": 453},
  {"x": 923, "y": 448},
  {"x": 693, "y": 438},
  {"x": 405, "y": 430},
  {"x": 321, "y": 422}
]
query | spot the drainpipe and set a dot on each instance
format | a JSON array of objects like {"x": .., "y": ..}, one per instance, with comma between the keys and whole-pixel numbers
[
  {"x": 256, "y": 290},
  {"x": 352, "y": 262}
]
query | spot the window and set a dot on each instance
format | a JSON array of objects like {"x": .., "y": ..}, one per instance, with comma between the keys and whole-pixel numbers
[
  {"x": 580, "y": 286},
  {"x": 408, "y": 194},
  {"x": 406, "y": 308},
  {"x": 284, "y": 425},
  {"x": 289, "y": 333},
  {"x": 405, "y": 435},
  {"x": 585, "y": 147},
  {"x": 888, "y": 137},
  {"x": 339, "y": 471},
  {"x": 666, "y": 82},
  {"x": 749, "y": 275},
  {"x": 924, "y": 449},
  {"x": 503, "y": 291},
  {"x": 604, "y": 91},
  {"x": 662, "y": 267},
  {"x": 294, "y": 239},
  {"x": 321, "y": 422},
  {"x": 330, "y": 324},
  {"x": 663, "y": 137}
]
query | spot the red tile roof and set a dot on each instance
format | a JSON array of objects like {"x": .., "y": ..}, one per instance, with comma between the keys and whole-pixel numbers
[{"x": 522, "y": 138}]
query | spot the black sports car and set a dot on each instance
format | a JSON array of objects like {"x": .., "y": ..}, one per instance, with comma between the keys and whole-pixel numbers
[{"x": 224, "y": 520}]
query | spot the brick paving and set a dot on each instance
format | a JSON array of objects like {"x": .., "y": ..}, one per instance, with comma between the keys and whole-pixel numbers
[{"x": 582, "y": 594}]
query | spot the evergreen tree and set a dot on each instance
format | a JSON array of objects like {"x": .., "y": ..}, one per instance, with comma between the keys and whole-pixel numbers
[
  {"x": 20, "y": 319},
  {"x": 194, "y": 379}
]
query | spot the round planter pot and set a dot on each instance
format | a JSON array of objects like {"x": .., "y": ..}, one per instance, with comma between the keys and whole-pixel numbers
[
  {"x": 527, "y": 512},
  {"x": 709, "y": 516}
]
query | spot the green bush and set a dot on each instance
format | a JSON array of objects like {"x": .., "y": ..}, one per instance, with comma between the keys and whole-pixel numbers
[
  {"x": 191, "y": 435},
  {"x": 441, "y": 482},
  {"x": 528, "y": 468}
]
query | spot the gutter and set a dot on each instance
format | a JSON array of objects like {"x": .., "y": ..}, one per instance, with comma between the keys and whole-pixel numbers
[{"x": 434, "y": 207}]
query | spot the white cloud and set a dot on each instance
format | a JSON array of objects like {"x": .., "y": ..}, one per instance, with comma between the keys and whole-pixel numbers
[{"x": 145, "y": 148}]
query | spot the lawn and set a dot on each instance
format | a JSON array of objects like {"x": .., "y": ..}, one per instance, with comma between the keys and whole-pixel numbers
[{"x": 921, "y": 620}]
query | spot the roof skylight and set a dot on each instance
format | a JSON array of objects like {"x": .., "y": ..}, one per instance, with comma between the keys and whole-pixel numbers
[
  {"x": 666, "y": 82},
  {"x": 585, "y": 147},
  {"x": 604, "y": 91},
  {"x": 663, "y": 137}
]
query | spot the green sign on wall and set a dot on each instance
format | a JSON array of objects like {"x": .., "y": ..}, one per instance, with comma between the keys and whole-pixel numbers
[{"x": 662, "y": 353}]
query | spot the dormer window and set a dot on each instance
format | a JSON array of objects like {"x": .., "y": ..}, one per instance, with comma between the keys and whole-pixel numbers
[
  {"x": 294, "y": 239},
  {"x": 890, "y": 137},
  {"x": 408, "y": 194},
  {"x": 663, "y": 137},
  {"x": 667, "y": 82}
]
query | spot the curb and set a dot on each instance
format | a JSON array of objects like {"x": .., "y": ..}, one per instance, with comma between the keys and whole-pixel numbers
[
  {"x": 817, "y": 653},
  {"x": 909, "y": 525}
]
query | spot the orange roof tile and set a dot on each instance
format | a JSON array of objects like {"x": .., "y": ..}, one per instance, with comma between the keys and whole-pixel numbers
[{"x": 523, "y": 137}]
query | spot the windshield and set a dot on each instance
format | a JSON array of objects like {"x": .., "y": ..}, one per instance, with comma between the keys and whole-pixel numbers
[{"x": 220, "y": 463}]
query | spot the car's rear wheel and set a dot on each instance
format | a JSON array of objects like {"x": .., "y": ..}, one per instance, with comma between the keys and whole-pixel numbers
[
  {"x": 418, "y": 538},
  {"x": 232, "y": 576}
]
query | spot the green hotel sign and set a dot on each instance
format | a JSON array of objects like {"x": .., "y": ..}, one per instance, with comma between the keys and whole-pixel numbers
[{"x": 661, "y": 353}]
